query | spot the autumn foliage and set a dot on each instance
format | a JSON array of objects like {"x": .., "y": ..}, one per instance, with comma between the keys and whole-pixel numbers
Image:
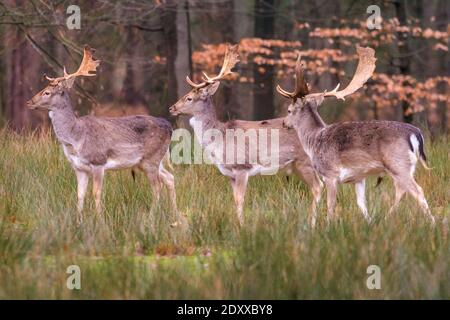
[{"x": 387, "y": 87}]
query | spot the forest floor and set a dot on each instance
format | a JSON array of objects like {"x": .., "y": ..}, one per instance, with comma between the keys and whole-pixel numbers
[{"x": 134, "y": 253}]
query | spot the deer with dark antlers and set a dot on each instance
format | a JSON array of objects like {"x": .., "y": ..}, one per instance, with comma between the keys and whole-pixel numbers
[
  {"x": 349, "y": 152},
  {"x": 198, "y": 103},
  {"x": 94, "y": 145}
]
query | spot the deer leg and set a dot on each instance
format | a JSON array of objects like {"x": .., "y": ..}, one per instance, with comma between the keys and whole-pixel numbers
[
  {"x": 239, "y": 185},
  {"x": 82, "y": 184},
  {"x": 417, "y": 192},
  {"x": 168, "y": 180},
  {"x": 331, "y": 196},
  {"x": 317, "y": 193},
  {"x": 97, "y": 185},
  {"x": 152, "y": 173},
  {"x": 360, "y": 188},
  {"x": 399, "y": 192},
  {"x": 309, "y": 175}
]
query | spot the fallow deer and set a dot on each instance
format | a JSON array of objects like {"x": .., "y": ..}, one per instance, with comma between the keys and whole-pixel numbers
[
  {"x": 198, "y": 103},
  {"x": 96, "y": 144},
  {"x": 349, "y": 152}
]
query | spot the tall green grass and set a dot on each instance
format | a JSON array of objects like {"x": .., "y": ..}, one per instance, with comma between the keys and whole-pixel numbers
[{"x": 134, "y": 253}]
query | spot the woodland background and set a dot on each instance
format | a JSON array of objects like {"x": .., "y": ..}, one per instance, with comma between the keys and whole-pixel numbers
[{"x": 148, "y": 47}]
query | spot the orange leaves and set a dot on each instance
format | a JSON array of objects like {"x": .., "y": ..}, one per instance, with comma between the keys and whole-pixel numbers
[
  {"x": 301, "y": 26},
  {"x": 391, "y": 90},
  {"x": 337, "y": 32},
  {"x": 159, "y": 60},
  {"x": 383, "y": 89},
  {"x": 435, "y": 34},
  {"x": 440, "y": 46},
  {"x": 260, "y": 49},
  {"x": 391, "y": 29}
]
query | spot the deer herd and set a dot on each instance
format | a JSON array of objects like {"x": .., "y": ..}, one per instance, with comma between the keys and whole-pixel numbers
[{"x": 318, "y": 153}]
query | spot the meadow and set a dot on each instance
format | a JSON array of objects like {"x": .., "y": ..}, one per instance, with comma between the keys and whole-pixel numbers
[{"x": 134, "y": 253}]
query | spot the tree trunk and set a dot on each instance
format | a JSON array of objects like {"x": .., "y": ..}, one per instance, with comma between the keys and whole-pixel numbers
[
  {"x": 403, "y": 62},
  {"x": 225, "y": 17},
  {"x": 16, "y": 110},
  {"x": 243, "y": 27},
  {"x": 263, "y": 104},
  {"x": 443, "y": 63},
  {"x": 183, "y": 61},
  {"x": 169, "y": 19},
  {"x": 130, "y": 96}
]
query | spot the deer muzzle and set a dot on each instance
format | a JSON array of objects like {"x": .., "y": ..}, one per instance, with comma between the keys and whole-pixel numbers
[
  {"x": 31, "y": 105},
  {"x": 286, "y": 124},
  {"x": 173, "y": 110}
]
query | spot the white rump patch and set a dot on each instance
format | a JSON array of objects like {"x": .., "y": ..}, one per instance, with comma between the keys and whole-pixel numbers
[
  {"x": 414, "y": 142},
  {"x": 413, "y": 154}
]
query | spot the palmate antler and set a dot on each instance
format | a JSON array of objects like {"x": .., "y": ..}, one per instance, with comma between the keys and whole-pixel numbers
[
  {"x": 87, "y": 67},
  {"x": 364, "y": 70},
  {"x": 229, "y": 61}
]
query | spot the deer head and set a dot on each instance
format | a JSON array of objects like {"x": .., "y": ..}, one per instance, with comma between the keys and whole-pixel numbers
[
  {"x": 193, "y": 102},
  {"x": 50, "y": 96},
  {"x": 301, "y": 97}
]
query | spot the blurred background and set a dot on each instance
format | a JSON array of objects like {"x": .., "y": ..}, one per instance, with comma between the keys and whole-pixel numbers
[{"x": 147, "y": 49}]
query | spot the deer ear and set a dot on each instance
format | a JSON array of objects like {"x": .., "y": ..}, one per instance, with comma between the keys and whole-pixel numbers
[{"x": 210, "y": 90}]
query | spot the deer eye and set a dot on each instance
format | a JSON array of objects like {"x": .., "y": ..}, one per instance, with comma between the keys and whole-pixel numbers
[
  {"x": 188, "y": 99},
  {"x": 46, "y": 93},
  {"x": 289, "y": 111}
]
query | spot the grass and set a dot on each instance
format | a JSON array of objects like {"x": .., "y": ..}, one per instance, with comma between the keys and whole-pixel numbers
[{"x": 133, "y": 252}]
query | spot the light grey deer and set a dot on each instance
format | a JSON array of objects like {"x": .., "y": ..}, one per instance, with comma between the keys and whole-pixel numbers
[
  {"x": 96, "y": 144},
  {"x": 349, "y": 152},
  {"x": 198, "y": 103}
]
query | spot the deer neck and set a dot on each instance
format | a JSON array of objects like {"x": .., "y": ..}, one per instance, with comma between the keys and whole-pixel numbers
[
  {"x": 309, "y": 124},
  {"x": 66, "y": 125},
  {"x": 205, "y": 120}
]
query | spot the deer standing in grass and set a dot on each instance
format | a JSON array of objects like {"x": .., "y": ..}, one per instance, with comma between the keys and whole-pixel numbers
[
  {"x": 96, "y": 144},
  {"x": 349, "y": 152},
  {"x": 198, "y": 103}
]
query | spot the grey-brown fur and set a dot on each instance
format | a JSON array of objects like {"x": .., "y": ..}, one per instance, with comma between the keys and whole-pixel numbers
[
  {"x": 349, "y": 152},
  {"x": 94, "y": 144},
  {"x": 198, "y": 103}
]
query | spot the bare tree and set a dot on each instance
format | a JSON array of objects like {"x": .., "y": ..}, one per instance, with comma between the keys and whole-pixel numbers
[
  {"x": 263, "y": 104},
  {"x": 16, "y": 59},
  {"x": 169, "y": 19}
]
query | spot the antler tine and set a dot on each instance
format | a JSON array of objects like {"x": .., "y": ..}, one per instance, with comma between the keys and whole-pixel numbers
[
  {"x": 230, "y": 60},
  {"x": 49, "y": 78},
  {"x": 301, "y": 87},
  {"x": 195, "y": 85},
  {"x": 364, "y": 70},
  {"x": 334, "y": 90},
  {"x": 88, "y": 65},
  {"x": 284, "y": 93}
]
